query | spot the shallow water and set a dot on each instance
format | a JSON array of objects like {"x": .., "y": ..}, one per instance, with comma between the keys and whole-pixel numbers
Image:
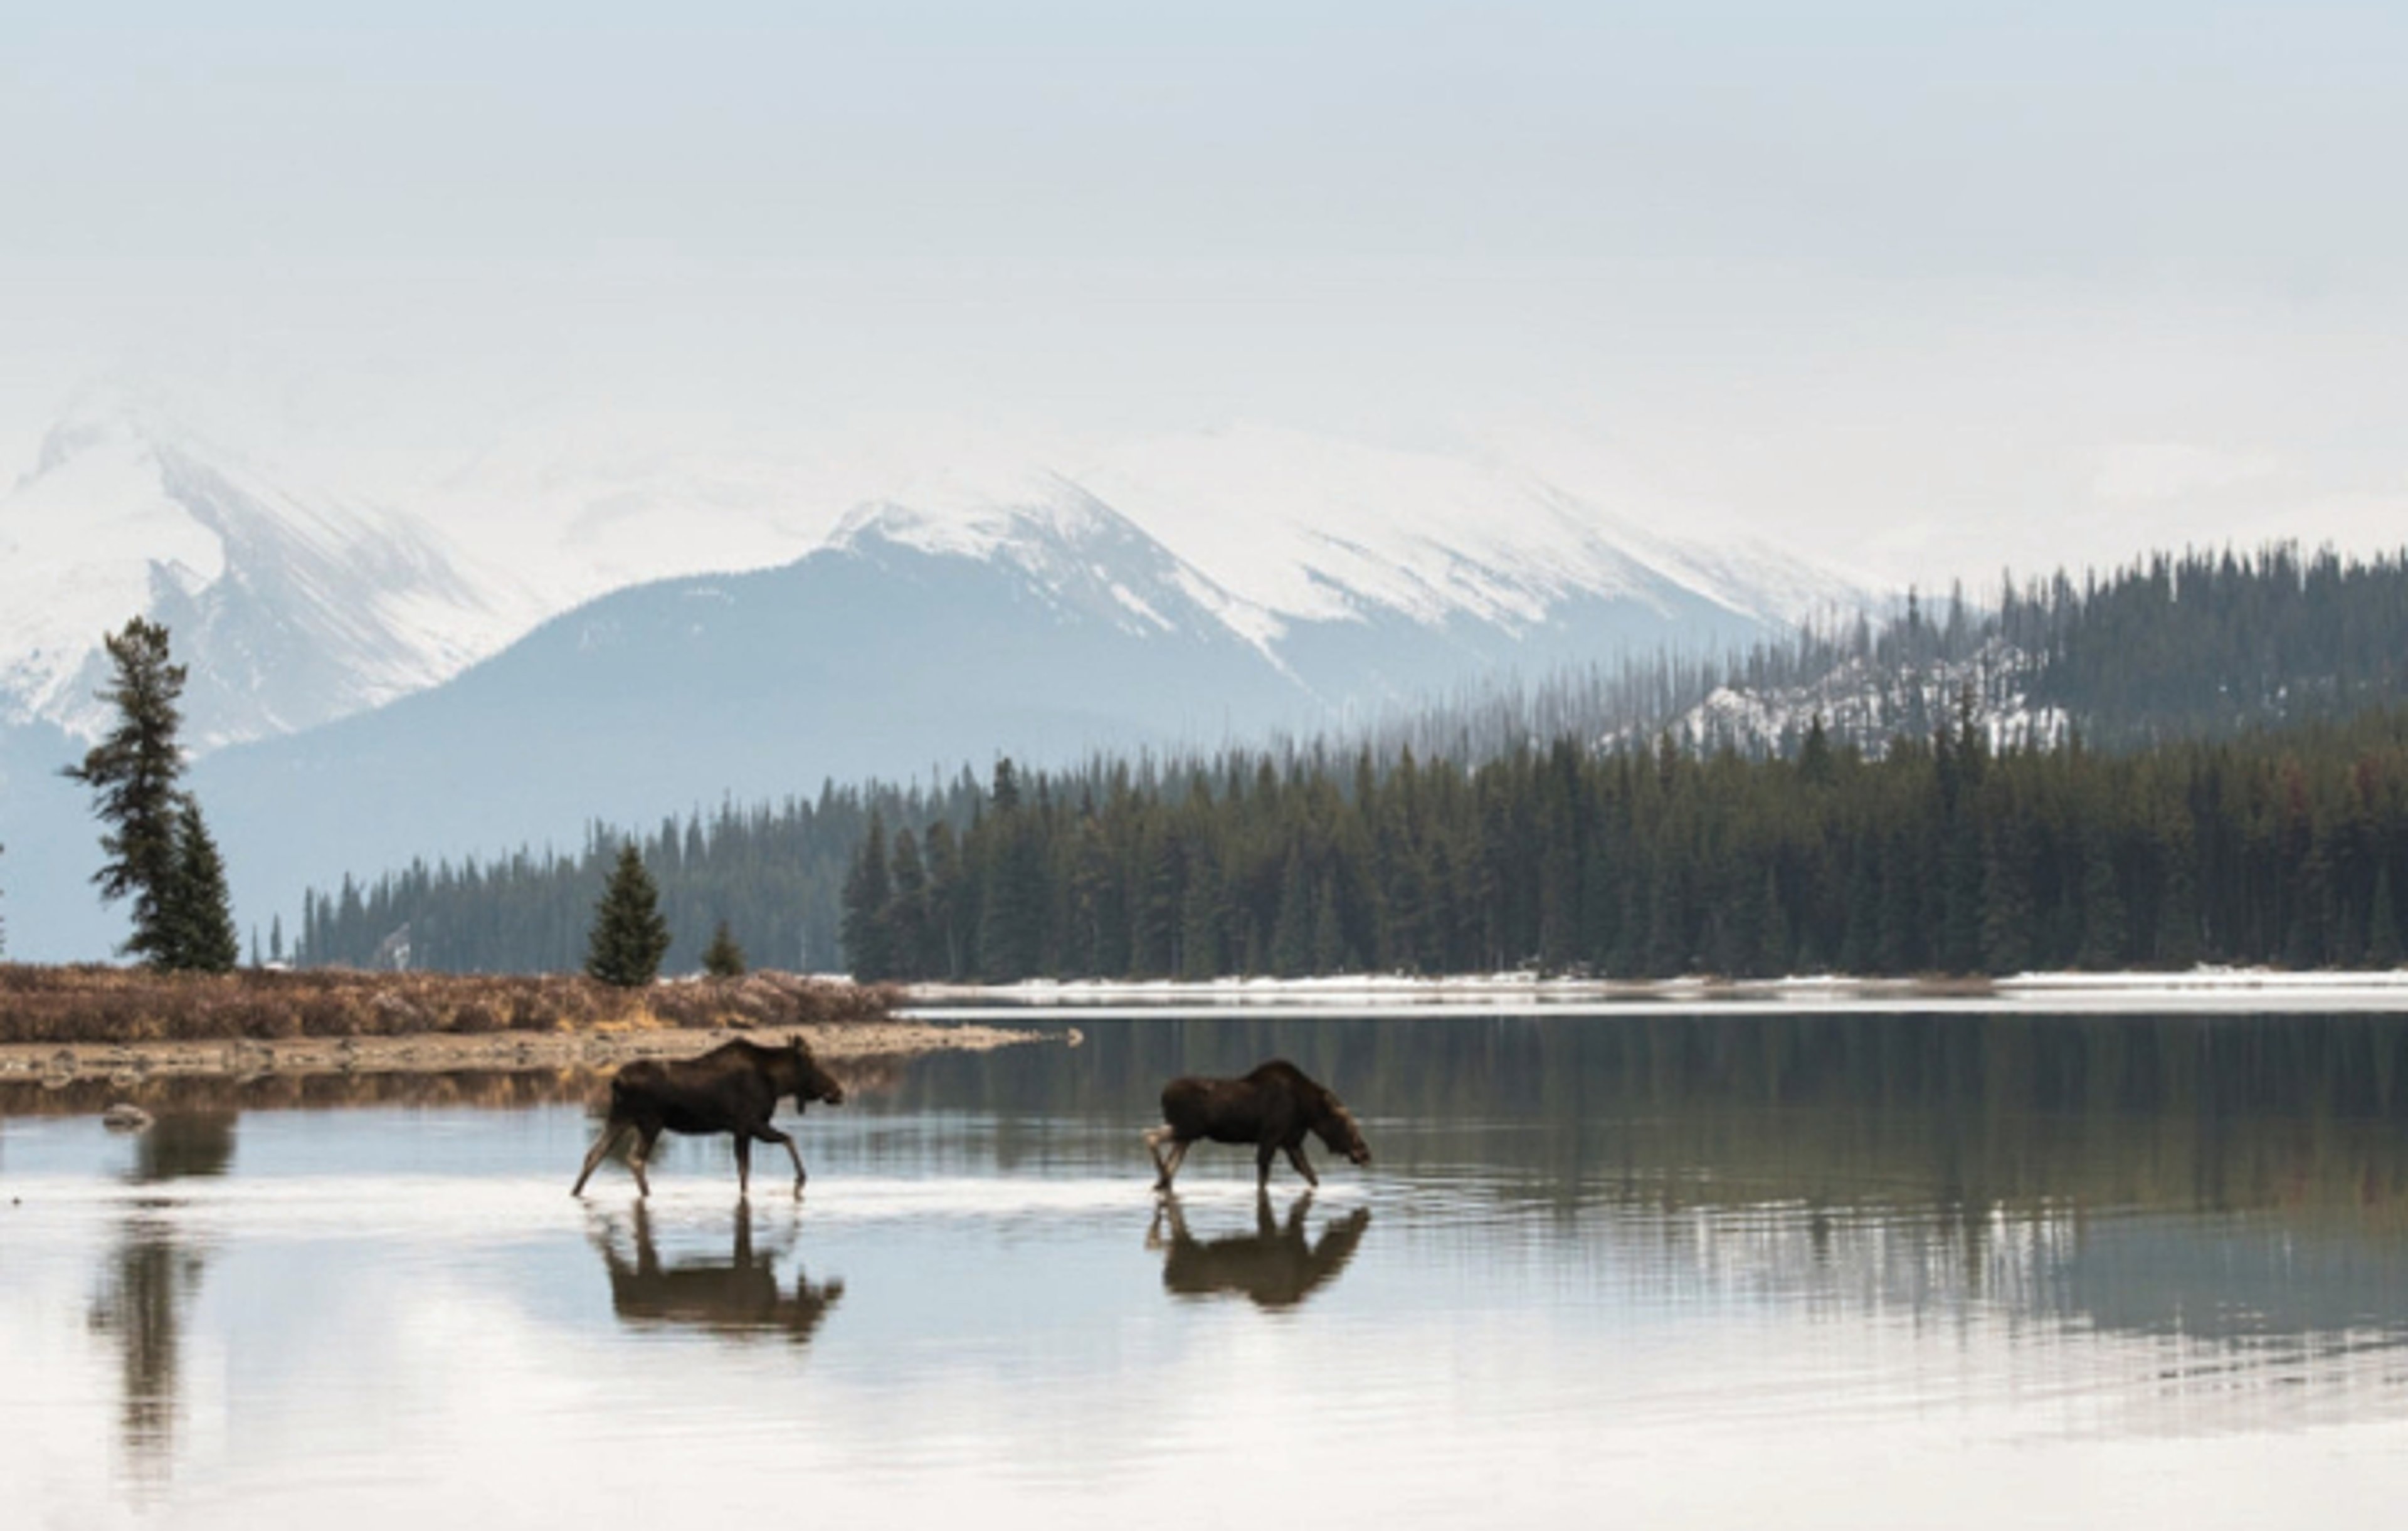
[{"x": 1837, "y": 1270}]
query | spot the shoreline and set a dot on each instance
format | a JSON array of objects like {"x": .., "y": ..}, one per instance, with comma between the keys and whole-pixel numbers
[
  {"x": 444, "y": 1052},
  {"x": 2198, "y": 990}
]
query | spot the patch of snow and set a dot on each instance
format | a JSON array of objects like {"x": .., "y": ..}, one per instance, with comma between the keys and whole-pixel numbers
[
  {"x": 1869, "y": 706},
  {"x": 1136, "y": 603}
]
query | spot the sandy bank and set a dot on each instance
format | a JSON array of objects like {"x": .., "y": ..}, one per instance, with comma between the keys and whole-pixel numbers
[{"x": 440, "y": 1052}]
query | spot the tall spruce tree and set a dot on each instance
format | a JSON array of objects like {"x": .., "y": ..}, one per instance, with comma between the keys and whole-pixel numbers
[
  {"x": 869, "y": 949},
  {"x": 629, "y": 936},
  {"x": 201, "y": 934},
  {"x": 133, "y": 772},
  {"x": 2382, "y": 924}
]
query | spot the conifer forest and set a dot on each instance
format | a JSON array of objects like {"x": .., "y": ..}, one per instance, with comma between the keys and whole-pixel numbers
[{"x": 2232, "y": 787}]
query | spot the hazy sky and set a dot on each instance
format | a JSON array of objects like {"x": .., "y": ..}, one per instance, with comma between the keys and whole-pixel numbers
[{"x": 1928, "y": 287}]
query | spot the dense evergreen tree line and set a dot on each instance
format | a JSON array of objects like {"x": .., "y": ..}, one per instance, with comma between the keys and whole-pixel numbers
[
  {"x": 1935, "y": 856},
  {"x": 770, "y": 873},
  {"x": 2205, "y": 643},
  {"x": 2191, "y": 647}
]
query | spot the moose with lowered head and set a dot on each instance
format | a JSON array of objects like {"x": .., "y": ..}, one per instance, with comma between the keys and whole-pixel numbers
[
  {"x": 1273, "y": 1108},
  {"x": 732, "y": 1089}
]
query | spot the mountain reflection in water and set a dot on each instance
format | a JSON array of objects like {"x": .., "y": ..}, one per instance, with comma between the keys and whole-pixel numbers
[
  {"x": 741, "y": 1296},
  {"x": 1274, "y": 1267}
]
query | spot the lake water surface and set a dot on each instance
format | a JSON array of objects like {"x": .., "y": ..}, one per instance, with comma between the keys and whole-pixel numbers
[{"x": 1836, "y": 1270}]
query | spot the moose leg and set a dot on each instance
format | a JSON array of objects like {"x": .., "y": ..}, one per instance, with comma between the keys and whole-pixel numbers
[
  {"x": 772, "y": 1134},
  {"x": 743, "y": 1165},
  {"x": 1296, "y": 1156},
  {"x": 1170, "y": 1166},
  {"x": 1162, "y": 1172},
  {"x": 612, "y": 1131},
  {"x": 1263, "y": 1163},
  {"x": 645, "y": 1139}
]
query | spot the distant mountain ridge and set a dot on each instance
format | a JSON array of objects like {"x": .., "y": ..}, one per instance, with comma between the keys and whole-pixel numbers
[
  {"x": 357, "y": 704},
  {"x": 296, "y": 605}
]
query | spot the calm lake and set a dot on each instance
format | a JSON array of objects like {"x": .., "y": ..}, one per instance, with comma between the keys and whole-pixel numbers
[{"x": 1826, "y": 1269}]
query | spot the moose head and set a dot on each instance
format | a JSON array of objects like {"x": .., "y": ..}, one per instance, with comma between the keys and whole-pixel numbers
[
  {"x": 809, "y": 1081},
  {"x": 1337, "y": 1129}
]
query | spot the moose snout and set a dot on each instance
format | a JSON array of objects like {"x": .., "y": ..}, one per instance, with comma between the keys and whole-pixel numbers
[{"x": 835, "y": 1096}]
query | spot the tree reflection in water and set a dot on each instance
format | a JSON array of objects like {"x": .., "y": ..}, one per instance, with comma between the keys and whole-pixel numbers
[
  {"x": 740, "y": 1296},
  {"x": 149, "y": 1282},
  {"x": 1274, "y": 1267}
]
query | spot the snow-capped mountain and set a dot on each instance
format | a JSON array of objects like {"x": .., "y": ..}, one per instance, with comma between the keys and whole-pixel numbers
[
  {"x": 365, "y": 688},
  {"x": 1073, "y": 551},
  {"x": 896, "y": 651},
  {"x": 1363, "y": 571},
  {"x": 1319, "y": 529},
  {"x": 289, "y": 608}
]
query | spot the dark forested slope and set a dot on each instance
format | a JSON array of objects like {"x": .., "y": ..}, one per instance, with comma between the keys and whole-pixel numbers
[{"x": 2152, "y": 769}]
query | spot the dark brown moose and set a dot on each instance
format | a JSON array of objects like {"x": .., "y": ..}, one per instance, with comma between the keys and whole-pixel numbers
[
  {"x": 1273, "y": 1108},
  {"x": 732, "y": 1089},
  {"x": 1274, "y": 1267},
  {"x": 741, "y": 1296}
]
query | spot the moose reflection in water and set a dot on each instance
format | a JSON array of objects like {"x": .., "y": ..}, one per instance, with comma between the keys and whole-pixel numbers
[
  {"x": 1274, "y": 1267},
  {"x": 739, "y": 1296}
]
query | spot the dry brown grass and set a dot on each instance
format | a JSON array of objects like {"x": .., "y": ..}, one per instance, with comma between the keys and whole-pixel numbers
[{"x": 101, "y": 1003}]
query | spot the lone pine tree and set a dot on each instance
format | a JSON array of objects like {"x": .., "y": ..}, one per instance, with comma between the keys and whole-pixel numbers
[
  {"x": 722, "y": 958},
  {"x": 133, "y": 772},
  {"x": 629, "y": 937}
]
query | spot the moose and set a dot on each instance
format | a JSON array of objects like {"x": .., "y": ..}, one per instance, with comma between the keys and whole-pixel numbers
[
  {"x": 1274, "y": 1267},
  {"x": 1273, "y": 1108},
  {"x": 732, "y": 1089}
]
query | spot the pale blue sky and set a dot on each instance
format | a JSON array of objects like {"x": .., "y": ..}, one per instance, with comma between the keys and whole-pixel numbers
[{"x": 1936, "y": 287}]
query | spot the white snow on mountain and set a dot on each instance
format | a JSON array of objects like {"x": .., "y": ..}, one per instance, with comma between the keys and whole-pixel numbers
[
  {"x": 291, "y": 607},
  {"x": 1084, "y": 555},
  {"x": 1316, "y": 528},
  {"x": 296, "y": 605},
  {"x": 1275, "y": 524}
]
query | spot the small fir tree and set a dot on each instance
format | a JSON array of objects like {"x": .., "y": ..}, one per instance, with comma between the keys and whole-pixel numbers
[
  {"x": 629, "y": 937},
  {"x": 722, "y": 958},
  {"x": 200, "y": 925}
]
